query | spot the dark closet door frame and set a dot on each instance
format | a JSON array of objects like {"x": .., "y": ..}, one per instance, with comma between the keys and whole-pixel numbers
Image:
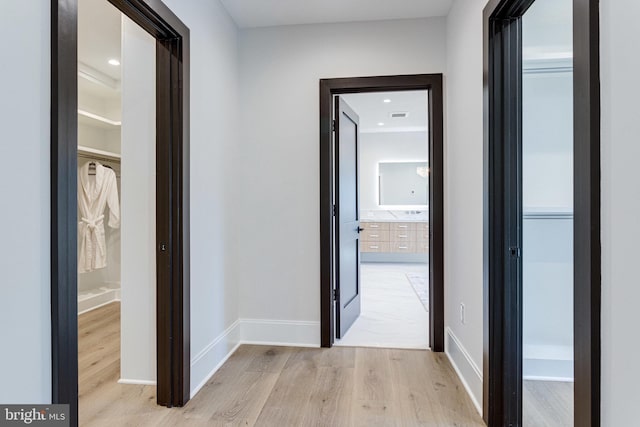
[
  {"x": 502, "y": 395},
  {"x": 172, "y": 205},
  {"x": 432, "y": 83}
]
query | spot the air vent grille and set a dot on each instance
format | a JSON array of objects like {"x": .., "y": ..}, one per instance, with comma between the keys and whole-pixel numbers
[{"x": 399, "y": 115}]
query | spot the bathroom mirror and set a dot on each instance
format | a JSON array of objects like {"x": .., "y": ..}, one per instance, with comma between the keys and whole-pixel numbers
[{"x": 403, "y": 183}]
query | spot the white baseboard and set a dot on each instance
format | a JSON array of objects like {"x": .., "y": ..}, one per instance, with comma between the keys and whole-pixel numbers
[
  {"x": 298, "y": 333},
  {"x": 212, "y": 357},
  {"x": 469, "y": 373},
  {"x": 138, "y": 382},
  {"x": 547, "y": 370},
  {"x": 100, "y": 300}
]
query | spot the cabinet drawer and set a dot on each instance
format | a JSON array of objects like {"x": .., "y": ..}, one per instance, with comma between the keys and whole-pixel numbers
[
  {"x": 374, "y": 246},
  {"x": 374, "y": 235},
  {"x": 402, "y": 226},
  {"x": 375, "y": 225},
  {"x": 403, "y": 236},
  {"x": 409, "y": 247},
  {"x": 423, "y": 247},
  {"x": 422, "y": 235}
]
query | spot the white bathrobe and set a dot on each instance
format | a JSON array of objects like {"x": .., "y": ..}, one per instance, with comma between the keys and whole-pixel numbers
[{"x": 95, "y": 193}]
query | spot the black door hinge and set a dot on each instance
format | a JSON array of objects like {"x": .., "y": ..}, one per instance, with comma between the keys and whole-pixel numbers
[
  {"x": 515, "y": 252},
  {"x": 333, "y": 211},
  {"x": 333, "y": 125},
  {"x": 335, "y": 295}
]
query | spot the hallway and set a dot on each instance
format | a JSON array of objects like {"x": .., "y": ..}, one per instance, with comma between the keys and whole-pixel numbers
[{"x": 285, "y": 386}]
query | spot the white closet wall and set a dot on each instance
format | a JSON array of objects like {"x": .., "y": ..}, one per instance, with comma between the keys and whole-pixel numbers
[
  {"x": 548, "y": 221},
  {"x": 548, "y": 191}
]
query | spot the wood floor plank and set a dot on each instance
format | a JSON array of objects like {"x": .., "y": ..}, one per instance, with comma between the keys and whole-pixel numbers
[
  {"x": 277, "y": 386},
  {"x": 330, "y": 402},
  {"x": 337, "y": 357},
  {"x": 243, "y": 403},
  {"x": 289, "y": 398},
  {"x": 374, "y": 413},
  {"x": 429, "y": 392},
  {"x": 238, "y": 404},
  {"x": 373, "y": 375},
  {"x": 269, "y": 359},
  {"x": 547, "y": 404}
]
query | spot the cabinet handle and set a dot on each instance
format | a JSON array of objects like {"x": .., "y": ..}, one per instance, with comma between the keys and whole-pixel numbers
[
  {"x": 402, "y": 235},
  {"x": 402, "y": 226},
  {"x": 373, "y": 247},
  {"x": 374, "y": 226},
  {"x": 403, "y": 247},
  {"x": 374, "y": 235}
]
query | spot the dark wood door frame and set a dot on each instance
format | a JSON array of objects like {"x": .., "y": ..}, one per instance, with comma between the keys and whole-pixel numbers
[
  {"x": 432, "y": 83},
  {"x": 502, "y": 399},
  {"x": 172, "y": 205}
]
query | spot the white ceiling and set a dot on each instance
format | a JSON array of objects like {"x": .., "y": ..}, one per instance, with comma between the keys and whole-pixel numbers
[
  {"x": 99, "y": 36},
  {"x": 372, "y": 110},
  {"x": 265, "y": 13}
]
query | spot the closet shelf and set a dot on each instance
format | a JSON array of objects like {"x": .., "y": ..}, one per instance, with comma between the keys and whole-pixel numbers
[
  {"x": 98, "y": 120},
  {"x": 96, "y": 152}
]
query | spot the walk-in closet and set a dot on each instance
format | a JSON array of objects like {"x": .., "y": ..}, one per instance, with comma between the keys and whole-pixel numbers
[
  {"x": 99, "y": 148},
  {"x": 116, "y": 196}
]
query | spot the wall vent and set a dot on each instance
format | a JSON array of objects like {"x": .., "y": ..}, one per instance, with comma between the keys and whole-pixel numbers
[{"x": 399, "y": 115}]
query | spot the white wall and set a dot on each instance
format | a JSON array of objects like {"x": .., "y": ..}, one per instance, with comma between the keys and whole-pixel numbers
[
  {"x": 547, "y": 110},
  {"x": 620, "y": 34},
  {"x": 25, "y": 263},
  {"x": 620, "y": 201},
  {"x": 547, "y": 270},
  {"x": 277, "y": 257},
  {"x": 384, "y": 147},
  {"x": 25, "y": 330},
  {"x": 214, "y": 140},
  {"x": 547, "y": 132},
  {"x": 138, "y": 205},
  {"x": 463, "y": 190},
  {"x": 109, "y": 107},
  {"x": 101, "y": 139},
  {"x": 548, "y": 105}
]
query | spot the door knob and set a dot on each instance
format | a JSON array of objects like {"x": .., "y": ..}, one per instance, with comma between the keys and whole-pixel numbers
[{"x": 360, "y": 229}]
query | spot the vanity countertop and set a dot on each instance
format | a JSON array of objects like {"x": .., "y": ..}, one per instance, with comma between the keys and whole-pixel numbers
[{"x": 395, "y": 216}]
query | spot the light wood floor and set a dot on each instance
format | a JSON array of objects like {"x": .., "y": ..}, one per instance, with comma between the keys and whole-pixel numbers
[
  {"x": 98, "y": 350},
  {"x": 547, "y": 404},
  {"x": 278, "y": 386}
]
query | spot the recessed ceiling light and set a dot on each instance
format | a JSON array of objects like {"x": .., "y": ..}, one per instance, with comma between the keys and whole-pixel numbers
[
  {"x": 386, "y": 101},
  {"x": 380, "y": 124},
  {"x": 114, "y": 62}
]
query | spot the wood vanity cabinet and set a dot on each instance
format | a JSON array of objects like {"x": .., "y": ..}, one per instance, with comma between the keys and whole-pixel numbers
[{"x": 395, "y": 237}]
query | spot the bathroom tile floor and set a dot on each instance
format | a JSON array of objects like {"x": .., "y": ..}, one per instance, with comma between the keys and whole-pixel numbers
[{"x": 392, "y": 315}]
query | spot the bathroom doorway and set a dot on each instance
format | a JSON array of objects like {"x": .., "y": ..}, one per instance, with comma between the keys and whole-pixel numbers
[
  {"x": 392, "y": 200},
  {"x": 356, "y": 220}
]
